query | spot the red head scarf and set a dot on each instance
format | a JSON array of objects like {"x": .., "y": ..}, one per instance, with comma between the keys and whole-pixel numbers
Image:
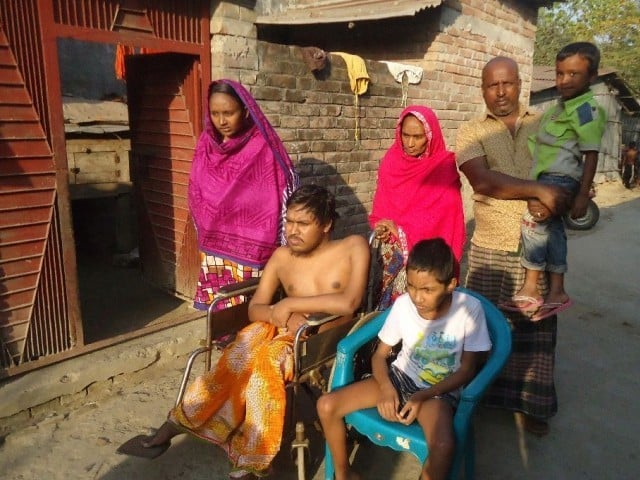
[{"x": 421, "y": 194}]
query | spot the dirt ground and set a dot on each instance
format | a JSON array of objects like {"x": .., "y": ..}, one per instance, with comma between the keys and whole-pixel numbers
[{"x": 594, "y": 435}]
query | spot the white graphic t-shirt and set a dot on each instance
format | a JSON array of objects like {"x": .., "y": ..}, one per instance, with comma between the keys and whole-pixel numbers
[{"x": 431, "y": 349}]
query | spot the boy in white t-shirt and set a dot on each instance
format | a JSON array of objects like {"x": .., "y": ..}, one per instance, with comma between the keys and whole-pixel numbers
[{"x": 442, "y": 331}]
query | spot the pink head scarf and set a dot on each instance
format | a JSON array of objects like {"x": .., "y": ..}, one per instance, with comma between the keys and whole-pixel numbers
[
  {"x": 238, "y": 189},
  {"x": 421, "y": 194}
]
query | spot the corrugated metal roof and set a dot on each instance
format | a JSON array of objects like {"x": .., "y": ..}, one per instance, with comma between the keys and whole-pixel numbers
[{"x": 335, "y": 11}]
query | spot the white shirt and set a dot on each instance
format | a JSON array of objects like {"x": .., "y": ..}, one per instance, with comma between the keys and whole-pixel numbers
[{"x": 431, "y": 349}]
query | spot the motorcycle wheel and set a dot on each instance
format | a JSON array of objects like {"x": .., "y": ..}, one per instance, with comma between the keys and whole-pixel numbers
[{"x": 586, "y": 222}]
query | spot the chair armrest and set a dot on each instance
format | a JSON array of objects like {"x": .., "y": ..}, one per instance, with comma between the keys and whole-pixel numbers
[
  {"x": 476, "y": 388},
  {"x": 500, "y": 333},
  {"x": 349, "y": 346}
]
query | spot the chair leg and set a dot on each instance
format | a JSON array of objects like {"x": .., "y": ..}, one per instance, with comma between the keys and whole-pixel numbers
[
  {"x": 300, "y": 444},
  {"x": 470, "y": 455}
]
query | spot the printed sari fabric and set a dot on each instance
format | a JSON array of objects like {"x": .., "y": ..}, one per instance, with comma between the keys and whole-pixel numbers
[
  {"x": 215, "y": 272},
  {"x": 421, "y": 194},
  {"x": 240, "y": 404},
  {"x": 237, "y": 194},
  {"x": 393, "y": 275}
]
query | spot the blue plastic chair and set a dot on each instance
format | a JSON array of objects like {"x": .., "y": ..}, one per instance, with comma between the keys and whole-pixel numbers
[{"x": 410, "y": 438}]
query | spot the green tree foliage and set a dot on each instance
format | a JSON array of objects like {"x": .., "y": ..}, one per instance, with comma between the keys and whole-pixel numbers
[{"x": 613, "y": 25}]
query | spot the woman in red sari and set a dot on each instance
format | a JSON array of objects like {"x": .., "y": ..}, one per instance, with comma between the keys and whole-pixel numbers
[{"x": 417, "y": 196}]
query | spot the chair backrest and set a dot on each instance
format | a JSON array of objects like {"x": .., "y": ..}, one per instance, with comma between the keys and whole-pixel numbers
[{"x": 500, "y": 334}]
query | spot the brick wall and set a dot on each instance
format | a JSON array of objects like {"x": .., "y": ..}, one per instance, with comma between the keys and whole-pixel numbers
[{"x": 316, "y": 115}]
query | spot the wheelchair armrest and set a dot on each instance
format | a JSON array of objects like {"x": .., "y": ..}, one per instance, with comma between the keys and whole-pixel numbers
[
  {"x": 349, "y": 346},
  {"x": 239, "y": 288},
  {"x": 318, "y": 319}
]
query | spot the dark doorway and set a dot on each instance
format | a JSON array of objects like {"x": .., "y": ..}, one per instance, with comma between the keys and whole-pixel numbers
[{"x": 126, "y": 282}]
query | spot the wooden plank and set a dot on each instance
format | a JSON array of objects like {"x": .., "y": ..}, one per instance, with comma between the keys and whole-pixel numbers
[
  {"x": 10, "y": 149},
  {"x": 9, "y": 75},
  {"x": 10, "y": 113},
  {"x": 22, "y": 250},
  {"x": 14, "y": 95},
  {"x": 16, "y": 285},
  {"x": 24, "y": 199},
  {"x": 183, "y": 154},
  {"x": 22, "y": 266},
  {"x": 11, "y": 317},
  {"x": 27, "y": 182},
  {"x": 169, "y": 127},
  {"x": 25, "y": 216}
]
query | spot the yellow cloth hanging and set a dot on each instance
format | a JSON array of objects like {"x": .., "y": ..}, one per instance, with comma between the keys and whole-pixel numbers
[
  {"x": 357, "y": 70},
  {"x": 358, "y": 81}
]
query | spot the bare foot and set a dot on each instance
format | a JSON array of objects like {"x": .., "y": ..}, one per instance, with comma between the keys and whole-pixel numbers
[
  {"x": 351, "y": 475},
  {"x": 556, "y": 298},
  {"x": 164, "y": 435}
]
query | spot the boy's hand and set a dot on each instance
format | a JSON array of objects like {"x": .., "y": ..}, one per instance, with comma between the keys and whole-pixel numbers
[
  {"x": 388, "y": 403},
  {"x": 409, "y": 412},
  {"x": 579, "y": 207}
]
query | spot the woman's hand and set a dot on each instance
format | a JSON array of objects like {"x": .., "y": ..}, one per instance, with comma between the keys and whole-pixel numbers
[{"x": 384, "y": 229}]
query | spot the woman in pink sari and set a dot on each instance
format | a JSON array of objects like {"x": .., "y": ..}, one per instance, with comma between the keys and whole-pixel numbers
[
  {"x": 417, "y": 197},
  {"x": 240, "y": 178}
]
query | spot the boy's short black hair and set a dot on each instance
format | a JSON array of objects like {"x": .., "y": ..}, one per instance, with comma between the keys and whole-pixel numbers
[
  {"x": 632, "y": 145},
  {"x": 318, "y": 200},
  {"x": 586, "y": 50},
  {"x": 435, "y": 256}
]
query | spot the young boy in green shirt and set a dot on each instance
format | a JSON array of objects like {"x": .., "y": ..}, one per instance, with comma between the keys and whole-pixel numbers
[{"x": 565, "y": 153}]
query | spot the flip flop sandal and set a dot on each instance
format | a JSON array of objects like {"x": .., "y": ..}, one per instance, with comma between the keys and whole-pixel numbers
[
  {"x": 550, "y": 309},
  {"x": 522, "y": 304}
]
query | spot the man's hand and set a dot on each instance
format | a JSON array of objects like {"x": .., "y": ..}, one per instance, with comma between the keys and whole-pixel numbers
[
  {"x": 388, "y": 403},
  {"x": 296, "y": 320},
  {"x": 280, "y": 313},
  {"x": 556, "y": 199},
  {"x": 538, "y": 210}
]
